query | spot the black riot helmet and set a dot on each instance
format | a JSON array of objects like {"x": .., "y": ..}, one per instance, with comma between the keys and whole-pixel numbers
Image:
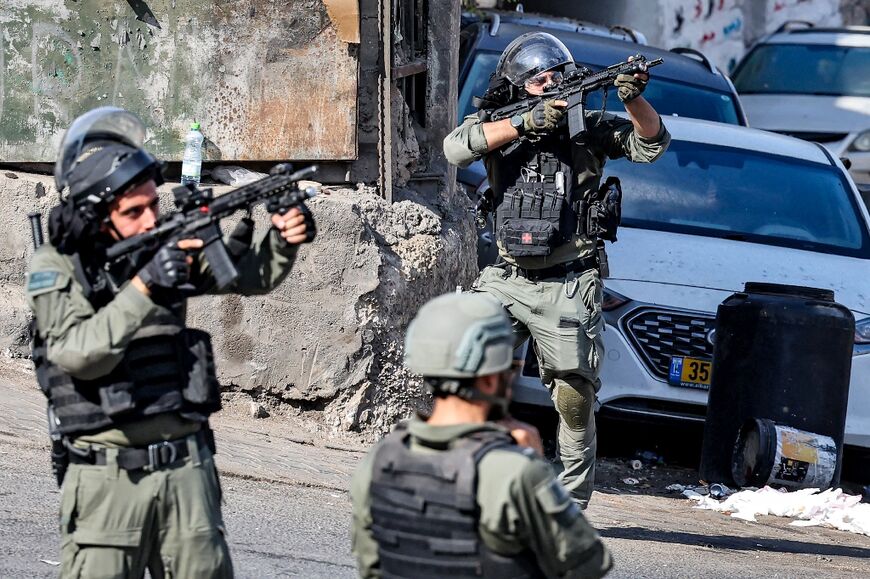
[
  {"x": 101, "y": 157},
  {"x": 530, "y": 54}
]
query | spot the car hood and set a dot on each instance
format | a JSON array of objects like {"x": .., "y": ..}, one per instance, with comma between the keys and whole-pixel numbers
[
  {"x": 807, "y": 113},
  {"x": 698, "y": 273}
]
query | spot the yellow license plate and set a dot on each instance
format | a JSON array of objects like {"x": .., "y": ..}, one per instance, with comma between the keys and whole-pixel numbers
[{"x": 690, "y": 372}]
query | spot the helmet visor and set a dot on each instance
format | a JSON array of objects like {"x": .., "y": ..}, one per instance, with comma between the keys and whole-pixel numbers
[
  {"x": 531, "y": 54},
  {"x": 110, "y": 123}
]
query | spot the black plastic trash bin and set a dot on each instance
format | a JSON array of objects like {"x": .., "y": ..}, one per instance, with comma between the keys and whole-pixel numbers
[{"x": 782, "y": 353}]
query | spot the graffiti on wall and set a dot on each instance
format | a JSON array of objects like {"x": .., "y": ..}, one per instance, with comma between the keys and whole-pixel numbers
[
  {"x": 715, "y": 27},
  {"x": 718, "y": 27}
]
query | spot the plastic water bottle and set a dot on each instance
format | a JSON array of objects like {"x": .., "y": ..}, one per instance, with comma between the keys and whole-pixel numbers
[{"x": 191, "y": 164}]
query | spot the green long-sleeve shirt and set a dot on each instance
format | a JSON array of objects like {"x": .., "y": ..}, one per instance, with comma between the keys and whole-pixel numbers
[
  {"x": 607, "y": 137},
  {"x": 88, "y": 344},
  {"x": 522, "y": 507}
]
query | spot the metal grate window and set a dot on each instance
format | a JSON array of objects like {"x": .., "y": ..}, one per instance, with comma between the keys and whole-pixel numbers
[
  {"x": 658, "y": 335},
  {"x": 410, "y": 53}
]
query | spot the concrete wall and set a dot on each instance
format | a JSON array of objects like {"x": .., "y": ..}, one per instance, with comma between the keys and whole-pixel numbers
[
  {"x": 266, "y": 80},
  {"x": 326, "y": 346},
  {"x": 722, "y": 29}
]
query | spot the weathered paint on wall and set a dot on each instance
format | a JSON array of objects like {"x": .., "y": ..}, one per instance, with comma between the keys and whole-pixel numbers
[{"x": 266, "y": 79}]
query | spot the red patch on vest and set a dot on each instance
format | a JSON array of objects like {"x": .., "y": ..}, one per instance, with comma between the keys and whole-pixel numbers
[{"x": 527, "y": 238}]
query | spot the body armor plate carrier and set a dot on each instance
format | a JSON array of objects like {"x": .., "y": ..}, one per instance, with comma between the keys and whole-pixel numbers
[
  {"x": 425, "y": 513},
  {"x": 536, "y": 214},
  {"x": 165, "y": 368},
  {"x": 540, "y": 208}
]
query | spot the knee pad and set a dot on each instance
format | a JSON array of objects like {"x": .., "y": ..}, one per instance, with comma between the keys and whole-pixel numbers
[{"x": 573, "y": 405}]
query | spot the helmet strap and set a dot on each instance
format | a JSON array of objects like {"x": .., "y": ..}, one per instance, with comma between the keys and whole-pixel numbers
[{"x": 457, "y": 387}]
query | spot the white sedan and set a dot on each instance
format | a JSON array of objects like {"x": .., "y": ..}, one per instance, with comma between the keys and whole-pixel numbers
[
  {"x": 814, "y": 84},
  {"x": 724, "y": 205}
]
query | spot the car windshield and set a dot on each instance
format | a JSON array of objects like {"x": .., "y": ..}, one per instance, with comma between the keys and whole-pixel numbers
[
  {"x": 738, "y": 194},
  {"x": 805, "y": 69},
  {"x": 667, "y": 97}
]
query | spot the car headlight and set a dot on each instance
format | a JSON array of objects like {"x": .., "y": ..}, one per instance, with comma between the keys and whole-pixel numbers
[
  {"x": 862, "y": 337},
  {"x": 861, "y": 142},
  {"x": 612, "y": 300}
]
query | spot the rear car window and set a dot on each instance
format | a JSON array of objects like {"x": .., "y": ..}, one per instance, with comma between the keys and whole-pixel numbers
[
  {"x": 805, "y": 69},
  {"x": 743, "y": 195},
  {"x": 666, "y": 96},
  {"x": 682, "y": 100}
]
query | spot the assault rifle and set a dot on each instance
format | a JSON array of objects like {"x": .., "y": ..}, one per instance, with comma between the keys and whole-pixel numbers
[
  {"x": 59, "y": 452},
  {"x": 577, "y": 84},
  {"x": 199, "y": 214}
]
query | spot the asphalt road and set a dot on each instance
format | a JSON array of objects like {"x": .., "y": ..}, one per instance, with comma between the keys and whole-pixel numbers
[
  {"x": 274, "y": 529},
  {"x": 287, "y": 513}
]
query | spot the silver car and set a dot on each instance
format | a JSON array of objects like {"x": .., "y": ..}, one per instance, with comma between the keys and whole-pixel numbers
[
  {"x": 723, "y": 206},
  {"x": 814, "y": 84}
]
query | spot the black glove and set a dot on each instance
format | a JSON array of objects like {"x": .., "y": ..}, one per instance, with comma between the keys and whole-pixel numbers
[
  {"x": 629, "y": 87},
  {"x": 310, "y": 226},
  {"x": 168, "y": 269},
  {"x": 542, "y": 119}
]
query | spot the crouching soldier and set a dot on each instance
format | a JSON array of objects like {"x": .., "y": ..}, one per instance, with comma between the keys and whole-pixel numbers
[
  {"x": 131, "y": 387},
  {"x": 455, "y": 495}
]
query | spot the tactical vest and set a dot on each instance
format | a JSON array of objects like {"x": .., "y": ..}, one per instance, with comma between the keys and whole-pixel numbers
[
  {"x": 537, "y": 205},
  {"x": 425, "y": 513},
  {"x": 165, "y": 368}
]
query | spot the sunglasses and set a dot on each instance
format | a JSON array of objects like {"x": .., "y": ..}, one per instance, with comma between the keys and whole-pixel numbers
[{"x": 551, "y": 77}]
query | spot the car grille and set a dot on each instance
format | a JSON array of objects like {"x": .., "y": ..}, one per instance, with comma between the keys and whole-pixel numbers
[
  {"x": 658, "y": 335},
  {"x": 815, "y": 136}
]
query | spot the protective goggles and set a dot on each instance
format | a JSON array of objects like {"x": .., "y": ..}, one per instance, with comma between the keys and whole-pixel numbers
[{"x": 547, "y": 78}]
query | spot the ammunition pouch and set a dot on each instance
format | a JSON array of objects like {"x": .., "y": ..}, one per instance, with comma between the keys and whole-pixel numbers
[
  {"x": 604, "y": 212},
  {"x": 201, "y": 389},
  {"x": 534, "y": 218}
]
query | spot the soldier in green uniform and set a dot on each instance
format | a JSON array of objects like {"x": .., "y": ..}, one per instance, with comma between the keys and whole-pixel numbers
[
  {"x": 455, "y": 495},
  {"x": 543, "y": 183},
  {"x": 130, "y": 387}
]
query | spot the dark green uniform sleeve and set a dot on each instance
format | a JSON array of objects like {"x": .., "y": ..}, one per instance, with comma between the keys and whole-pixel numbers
[
  {"x": 617, "y": 138},
  {"x": 523, "y": 506},
  {"x": 261, "y": 269},
  {"x": 466, "y": 143},
  {"x": 84, "y": 343},
  {"x": 363, "y": 544}
]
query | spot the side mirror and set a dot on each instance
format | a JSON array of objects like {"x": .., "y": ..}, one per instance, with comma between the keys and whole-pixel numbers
[{"x": 847, "y": 162}]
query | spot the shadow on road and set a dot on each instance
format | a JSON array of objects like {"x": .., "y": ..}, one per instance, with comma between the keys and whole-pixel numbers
[{"x": 734, "y": 543}]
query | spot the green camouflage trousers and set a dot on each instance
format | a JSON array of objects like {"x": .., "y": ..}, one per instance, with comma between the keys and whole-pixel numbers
[
  {"x": 564, "y": 318},
  {"x": 115, "y": 523}
]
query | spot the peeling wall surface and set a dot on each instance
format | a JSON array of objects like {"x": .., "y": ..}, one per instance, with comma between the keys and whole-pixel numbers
[{"x": 266, "y": 79}]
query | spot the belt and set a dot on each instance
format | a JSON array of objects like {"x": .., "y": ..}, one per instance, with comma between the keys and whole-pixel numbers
[
  {"x": 560, "y": 270},
  {"x": 148, "y": 458}
]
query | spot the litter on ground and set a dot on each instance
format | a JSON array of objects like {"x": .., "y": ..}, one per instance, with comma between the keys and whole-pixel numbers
[{"x": 832, "y": 507}]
